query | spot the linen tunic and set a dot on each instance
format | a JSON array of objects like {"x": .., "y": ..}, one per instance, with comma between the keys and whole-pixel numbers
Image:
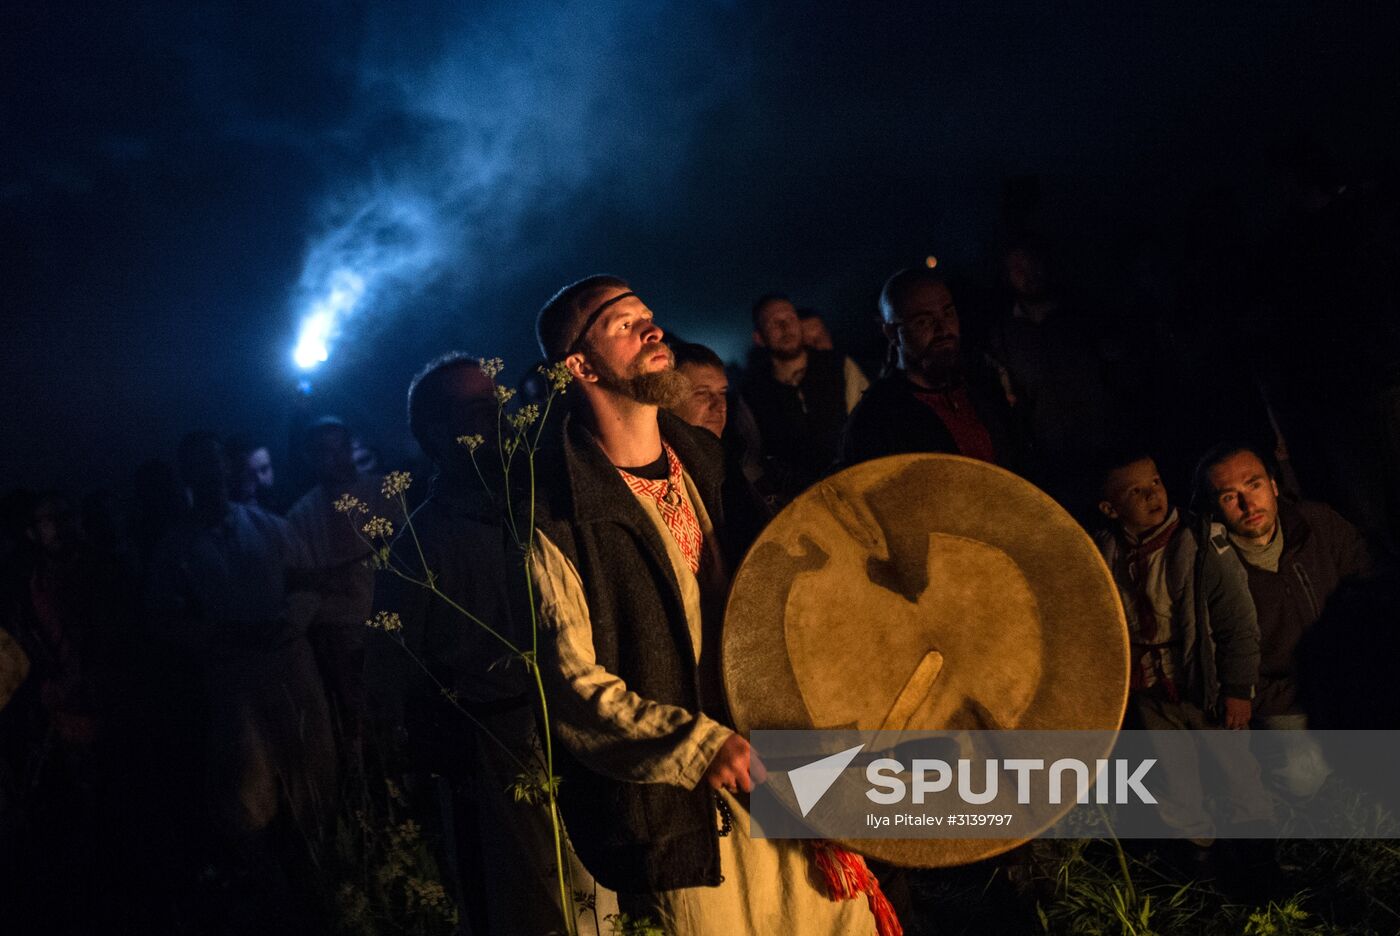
[{"x": 768, "y": 885}]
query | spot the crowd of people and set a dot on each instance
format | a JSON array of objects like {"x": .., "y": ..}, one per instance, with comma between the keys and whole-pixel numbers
[{"x": 188, "y": 689}]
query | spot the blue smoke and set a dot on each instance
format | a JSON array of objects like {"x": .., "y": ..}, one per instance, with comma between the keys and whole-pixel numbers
[
  {"x": 383, "y": 243},
  {"x": 477, "y": 119}
]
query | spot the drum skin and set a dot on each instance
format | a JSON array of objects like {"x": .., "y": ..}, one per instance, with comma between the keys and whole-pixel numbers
[{"x": 925, "y": 592}]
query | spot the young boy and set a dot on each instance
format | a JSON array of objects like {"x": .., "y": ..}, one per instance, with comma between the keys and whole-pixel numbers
[{"x": 1194, "y": 640}]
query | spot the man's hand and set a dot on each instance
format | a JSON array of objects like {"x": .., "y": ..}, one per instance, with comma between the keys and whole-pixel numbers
[
  {"x": 1238, "y": 713},
  {"x": 730, "y": 768}
]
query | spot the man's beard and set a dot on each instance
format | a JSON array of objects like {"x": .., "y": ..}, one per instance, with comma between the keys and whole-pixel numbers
[
  {"x": 665, "y": 388},
  {"x": 940, "y": 366},
  {"x": 787, "y": 354}
]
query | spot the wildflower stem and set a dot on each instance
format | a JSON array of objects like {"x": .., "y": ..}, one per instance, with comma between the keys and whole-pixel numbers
[
  {"x": 432, "y": 587},
  {"x": 539, "y": 430},
  {"x": 555, "y": 823},
  {"x": 451, "y": 698},
  {"x": 477, "y": 465},
  {"x": 565, "y": 892},
  {"x": 506, "y": 458},
  {"x": 408, "y": 522}
]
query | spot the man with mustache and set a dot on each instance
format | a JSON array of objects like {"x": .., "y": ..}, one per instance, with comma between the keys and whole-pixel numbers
[
  {"x": 937, "y": 399},
  {"x": 1297, "y": 554},
  {"x": 632, "y": 584}
]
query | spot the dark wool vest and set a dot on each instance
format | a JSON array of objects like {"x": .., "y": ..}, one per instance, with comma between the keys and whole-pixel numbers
[
  {"x": 800, "y": 426},
  {"x": 637, "y": 837}
]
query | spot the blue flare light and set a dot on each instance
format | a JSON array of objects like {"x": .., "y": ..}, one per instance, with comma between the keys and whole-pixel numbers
[{"x": 320, "y": 326}]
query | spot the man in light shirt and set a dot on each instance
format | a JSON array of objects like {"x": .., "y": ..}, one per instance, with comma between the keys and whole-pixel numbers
[{"x": 632, "y": 585}]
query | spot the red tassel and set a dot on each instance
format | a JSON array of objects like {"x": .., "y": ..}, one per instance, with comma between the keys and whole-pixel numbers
[{"x": 847, "y": 875}]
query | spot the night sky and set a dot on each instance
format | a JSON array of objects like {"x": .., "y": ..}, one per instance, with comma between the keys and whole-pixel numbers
[{"x": 180, "y": 184}]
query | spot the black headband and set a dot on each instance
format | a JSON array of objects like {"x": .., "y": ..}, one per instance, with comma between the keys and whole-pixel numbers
[{"x": 593, "y": 317}]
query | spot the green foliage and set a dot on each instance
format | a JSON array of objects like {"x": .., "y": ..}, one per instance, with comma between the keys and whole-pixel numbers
[
  {"x": 535, "y": 787},
  {"x": 623, "y": 925},
  {"x": 1094, "y": 888},
  {"x": 378, "y": 874},
  {"x": 1285, "y": 919},
  {"x": 1361, "y": 879},
  {"x": 1112, "y": 894}
]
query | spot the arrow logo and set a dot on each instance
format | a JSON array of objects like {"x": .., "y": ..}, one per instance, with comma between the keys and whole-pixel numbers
[{"x": 811, "y": 781}]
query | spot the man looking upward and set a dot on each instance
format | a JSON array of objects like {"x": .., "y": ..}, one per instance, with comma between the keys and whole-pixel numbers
[{"x": 631, "y": 586}]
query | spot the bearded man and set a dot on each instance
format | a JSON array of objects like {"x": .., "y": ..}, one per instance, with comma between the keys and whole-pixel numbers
[
  {"x": 938, "y": 398},
  {"x": 1297, "y": 554},
  {"x": 631, "y": 585}
]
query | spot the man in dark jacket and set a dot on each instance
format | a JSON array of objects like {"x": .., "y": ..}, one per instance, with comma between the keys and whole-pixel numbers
[
  {"x": 468, "y": 750},
  {"x": 1194, "y": 639},
  {"x": 1297, "y": 554},
  {"x": 631, "y": 584},
  {"x": 799, "y": 396},
  {"x": 939, "y": 399}
]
